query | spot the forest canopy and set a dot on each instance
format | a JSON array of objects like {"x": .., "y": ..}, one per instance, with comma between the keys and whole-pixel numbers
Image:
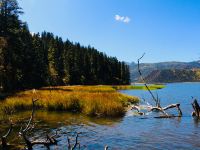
[{"x": 35, "y": 60}]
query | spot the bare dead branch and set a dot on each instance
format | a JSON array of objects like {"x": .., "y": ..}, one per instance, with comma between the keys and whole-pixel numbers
[
  {"x": 69, "y": 143},
  {"x": 76, "y": 143},
  {"x": 106, "y": 147},
  {"x": 140, "y": 73},
  {"x": 4, "y": 137},
  {"x": 50, "y": 139},
  {"x": 28, "y": 126}
]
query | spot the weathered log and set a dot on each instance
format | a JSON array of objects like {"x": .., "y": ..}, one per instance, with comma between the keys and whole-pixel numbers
[
  {"x": 174, "y": 106},
  {"x": 160, "y": 109},
  {"x": 168, "y": 107}
]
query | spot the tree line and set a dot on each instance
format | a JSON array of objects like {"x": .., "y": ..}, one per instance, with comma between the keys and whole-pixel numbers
[{"x": 35, "y": 60}]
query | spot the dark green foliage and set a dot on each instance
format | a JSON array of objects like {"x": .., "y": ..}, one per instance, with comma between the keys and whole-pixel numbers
[{"x": 31, "y": 61}]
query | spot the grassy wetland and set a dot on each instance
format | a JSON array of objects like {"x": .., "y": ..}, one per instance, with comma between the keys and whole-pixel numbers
[
  {"x": 88, "y": 100},
  {"x": 104, "y": 101}
]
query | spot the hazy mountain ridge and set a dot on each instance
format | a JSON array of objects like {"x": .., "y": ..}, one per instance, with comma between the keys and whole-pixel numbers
[
  {"x": 147, "y": 68},
  {"x": 173, "y": 75}
]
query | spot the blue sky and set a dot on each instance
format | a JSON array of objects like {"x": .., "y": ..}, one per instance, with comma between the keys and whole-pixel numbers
[{"x": 167, "y": 30}]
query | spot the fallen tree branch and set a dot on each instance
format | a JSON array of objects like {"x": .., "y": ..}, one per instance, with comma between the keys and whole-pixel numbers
[
  {"x": 174, "y": 106},
  {"x": 168, "y": 107}
]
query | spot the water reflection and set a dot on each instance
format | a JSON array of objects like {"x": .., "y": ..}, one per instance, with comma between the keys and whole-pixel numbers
[
  {"x": 196, "y": 122},
  {"x": 67, "y": 124}
]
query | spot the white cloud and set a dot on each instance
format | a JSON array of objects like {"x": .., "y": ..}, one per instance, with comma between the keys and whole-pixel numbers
[
  {"x": 124, "y": 19},
  {"x": 127, "y": 20}
]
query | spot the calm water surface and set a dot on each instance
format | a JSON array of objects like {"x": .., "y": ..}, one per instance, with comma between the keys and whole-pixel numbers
[{"x": 129, "y": 132}]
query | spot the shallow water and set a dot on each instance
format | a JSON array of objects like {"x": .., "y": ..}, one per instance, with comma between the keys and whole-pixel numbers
[{"x": 129, "y": 132}]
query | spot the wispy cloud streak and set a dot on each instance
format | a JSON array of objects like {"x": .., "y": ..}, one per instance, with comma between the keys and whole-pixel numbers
[{"x": 124, "y": 19}]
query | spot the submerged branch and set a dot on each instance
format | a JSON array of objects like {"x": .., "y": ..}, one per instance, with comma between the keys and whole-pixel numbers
[
  {"x": 196, "y": 107},
  {"x": 4, "y": 137}
]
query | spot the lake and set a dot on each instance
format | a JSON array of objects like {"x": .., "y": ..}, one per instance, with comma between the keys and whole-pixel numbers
[{"x": 131, "y": 131}]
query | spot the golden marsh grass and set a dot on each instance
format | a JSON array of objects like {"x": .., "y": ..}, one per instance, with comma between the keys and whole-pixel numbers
[{"x": 88, "y": 100}]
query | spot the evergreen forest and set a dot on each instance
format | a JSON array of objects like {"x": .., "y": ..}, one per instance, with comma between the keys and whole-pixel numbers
[{"x": 30, "y": 60}]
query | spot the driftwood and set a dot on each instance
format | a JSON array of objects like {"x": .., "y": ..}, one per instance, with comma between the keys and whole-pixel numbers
[
  {"x": 159, "y": 109},
  {"x": 47, "y": 143},
  {"x": 196, "y": 107},
  {"x": 168, "y": 107},
  {"x": 157, "y": 100},
  {"x": 50, "y": 140}
]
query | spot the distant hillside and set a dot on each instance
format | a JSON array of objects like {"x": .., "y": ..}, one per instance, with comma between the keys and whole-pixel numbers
[
  {"x": 147, "y": 68},
  {"x": 173, "y": 75}
]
